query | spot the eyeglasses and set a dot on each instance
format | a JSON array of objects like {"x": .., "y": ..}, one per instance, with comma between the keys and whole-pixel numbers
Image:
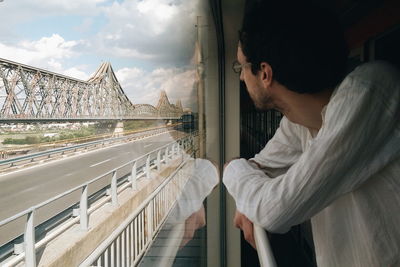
[{"x": 237, "y": 67}]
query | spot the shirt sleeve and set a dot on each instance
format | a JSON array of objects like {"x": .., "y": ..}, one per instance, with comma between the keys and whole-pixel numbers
[
  {"x": 360, "y": 136},
  {"x": 282, "y": 151}
]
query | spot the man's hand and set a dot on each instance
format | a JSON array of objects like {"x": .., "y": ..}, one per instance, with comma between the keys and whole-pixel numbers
[
  {"x": 242, "y": 222},
  {"x": 195, "y": 221}
]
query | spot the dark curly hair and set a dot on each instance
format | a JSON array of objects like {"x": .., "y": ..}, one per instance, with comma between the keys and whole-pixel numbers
[{"x": 303, "y": 43}]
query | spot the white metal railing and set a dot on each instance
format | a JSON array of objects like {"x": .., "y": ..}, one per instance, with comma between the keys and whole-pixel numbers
[
  {"x": 153, "y": 160},
  {"x": 61, "y": 151},
  {"x": 128, "y": 243},
  {"x": 265, "y": 255}
]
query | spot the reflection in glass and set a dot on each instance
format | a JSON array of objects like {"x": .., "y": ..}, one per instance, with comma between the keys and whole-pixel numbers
[{"x": 174, "y": 244}]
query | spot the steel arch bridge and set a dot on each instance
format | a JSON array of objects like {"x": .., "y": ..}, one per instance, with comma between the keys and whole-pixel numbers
[{"x": 32, "y": 94}]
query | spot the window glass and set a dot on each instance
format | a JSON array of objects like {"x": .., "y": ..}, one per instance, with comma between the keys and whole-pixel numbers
[{"x": 99, "y": 101}]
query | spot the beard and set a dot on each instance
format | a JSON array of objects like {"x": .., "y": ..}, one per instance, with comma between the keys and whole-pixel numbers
[{"x": 262, "y": 102}]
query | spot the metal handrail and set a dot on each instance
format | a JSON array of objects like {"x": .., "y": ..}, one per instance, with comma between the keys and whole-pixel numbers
[
  {"x": 64, "y": 149},
  {"x": 29, "y": 239},
  {"x": 265, "y": 255},
  {"x": 151, "y": 225},
  {"x": 92, "y": 137}
]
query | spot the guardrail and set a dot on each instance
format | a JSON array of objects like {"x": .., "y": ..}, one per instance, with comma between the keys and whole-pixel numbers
[
  {"x": 63, "y": 150},
  {"x": 265, "y": 255},
  {"x": 4, "y": 153},
  {"x": 153, "y": 160},
  {"x": 128, "y": 243}
]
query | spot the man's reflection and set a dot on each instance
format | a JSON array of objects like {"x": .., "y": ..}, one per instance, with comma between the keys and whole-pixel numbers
[
  {"x": 202, "y": 177},
  {"x": 195, "y": 221},
  {"x": 188, "y": 214}
]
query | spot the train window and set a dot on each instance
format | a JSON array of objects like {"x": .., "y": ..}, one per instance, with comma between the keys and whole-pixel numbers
[{"x": 108, "y": 110}]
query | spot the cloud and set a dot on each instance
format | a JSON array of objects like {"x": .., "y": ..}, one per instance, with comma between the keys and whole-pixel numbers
[
  {"x": 73, "y": 6},
  {"x": 77, "y": 73},
  {"x": 131, "y": 53},
  {"x": 42, "y": 52},
  {"x": 161, "y": 12},
  {"x": 47, "y": 53},
  {"x": 26, "y": 10},
  {"x": 144, "y": 87},
  {"x": 24, "y": 13},
  {"x": 160, "y": 31},
  {"x": 85, "y": 26}
]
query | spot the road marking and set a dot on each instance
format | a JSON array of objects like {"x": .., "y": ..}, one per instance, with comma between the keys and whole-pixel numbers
[
  {"x": 148, "y": 145},
  {"x": 71, "y": 156},
  {"x": 100, "y": 162}
]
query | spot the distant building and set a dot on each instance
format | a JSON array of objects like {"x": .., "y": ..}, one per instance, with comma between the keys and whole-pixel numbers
[{"x": 50, "y": 134}]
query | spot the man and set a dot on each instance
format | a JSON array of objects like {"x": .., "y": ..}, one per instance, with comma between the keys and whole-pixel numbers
[{"x": 336, "y": 156}]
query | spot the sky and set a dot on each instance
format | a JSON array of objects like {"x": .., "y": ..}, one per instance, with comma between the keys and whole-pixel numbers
[{"x": 149, "y": 43}]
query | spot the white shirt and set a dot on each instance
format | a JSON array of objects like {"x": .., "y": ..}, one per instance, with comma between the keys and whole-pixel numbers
[{"x": 346, "y": 179}]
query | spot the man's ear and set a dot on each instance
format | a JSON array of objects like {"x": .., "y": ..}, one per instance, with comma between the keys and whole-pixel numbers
[{"x": 266, "y": 74}]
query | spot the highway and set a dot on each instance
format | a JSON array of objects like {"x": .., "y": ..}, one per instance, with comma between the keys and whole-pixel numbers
[{"x": 27, "y": 187}]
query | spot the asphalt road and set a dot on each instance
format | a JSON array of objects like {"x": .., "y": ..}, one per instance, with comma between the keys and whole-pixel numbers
[{"x": 28, "y": 187}]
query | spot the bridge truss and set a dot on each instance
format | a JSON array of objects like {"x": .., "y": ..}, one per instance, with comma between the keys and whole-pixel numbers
[{"x": 29, "y": 93}]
